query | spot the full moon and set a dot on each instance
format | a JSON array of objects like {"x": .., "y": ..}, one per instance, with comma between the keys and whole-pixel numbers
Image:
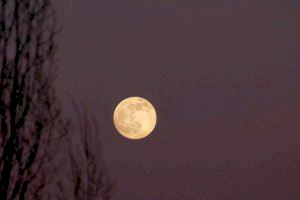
[{"x": 135, "y": 118}]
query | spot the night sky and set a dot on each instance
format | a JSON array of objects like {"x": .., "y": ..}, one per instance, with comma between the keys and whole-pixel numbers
[{"x": 224, "y": 78}]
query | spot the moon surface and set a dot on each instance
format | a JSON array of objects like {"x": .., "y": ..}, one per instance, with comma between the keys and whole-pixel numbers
[{"x": 135, "y": 118}]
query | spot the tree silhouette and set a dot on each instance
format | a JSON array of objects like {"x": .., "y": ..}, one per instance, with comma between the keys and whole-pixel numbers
[
  {"x": 28, "y": 109},
  {"x": 88, "y": 178},
  {"x": 30, "y": 120}
]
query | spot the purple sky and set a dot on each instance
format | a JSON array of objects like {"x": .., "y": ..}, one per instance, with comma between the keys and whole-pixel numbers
[{"x": 224, "y": 77}]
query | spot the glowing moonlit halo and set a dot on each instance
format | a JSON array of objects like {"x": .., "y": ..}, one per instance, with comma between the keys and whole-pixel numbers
[{"x": 135, "y": 118}]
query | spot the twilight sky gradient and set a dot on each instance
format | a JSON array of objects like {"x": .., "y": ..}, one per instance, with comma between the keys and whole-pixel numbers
[{"x": 224, "y": 77}]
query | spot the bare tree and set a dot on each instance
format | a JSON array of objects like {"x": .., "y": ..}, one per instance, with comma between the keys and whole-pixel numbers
[
  {"x": 30, "y": 120},
  {"x": 88, "y": 178},
  {"x": 29, "y": 114}
]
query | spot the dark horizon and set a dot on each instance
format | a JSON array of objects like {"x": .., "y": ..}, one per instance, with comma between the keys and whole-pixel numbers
[{"x": 223, "y": 77}]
